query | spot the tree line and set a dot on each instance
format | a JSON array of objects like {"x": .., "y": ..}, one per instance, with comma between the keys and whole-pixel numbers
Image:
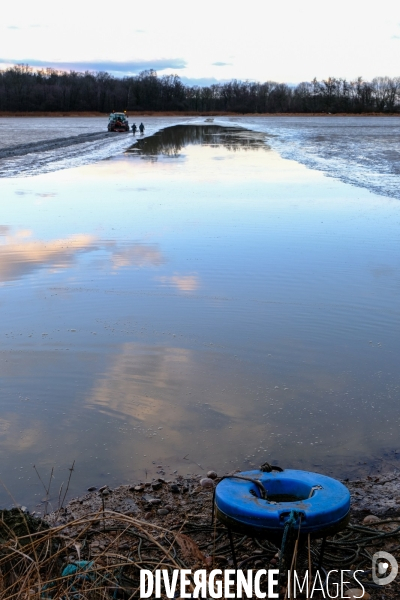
[{"x": 25, "y": 89}]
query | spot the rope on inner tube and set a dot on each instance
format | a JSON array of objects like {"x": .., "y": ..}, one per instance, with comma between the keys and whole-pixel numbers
[
  {"x": 265, "y": 468},
  {"x": 294, "y": 515}
]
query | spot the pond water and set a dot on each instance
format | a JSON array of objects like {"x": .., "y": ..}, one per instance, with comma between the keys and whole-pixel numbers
[{"x": 196, "y": 302}]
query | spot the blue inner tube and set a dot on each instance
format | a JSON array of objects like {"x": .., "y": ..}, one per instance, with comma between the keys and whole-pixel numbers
[{"x": 322, "y": 502}]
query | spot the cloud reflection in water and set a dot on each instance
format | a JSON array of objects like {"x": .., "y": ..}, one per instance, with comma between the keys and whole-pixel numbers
[{"x": 21, "y": 254}]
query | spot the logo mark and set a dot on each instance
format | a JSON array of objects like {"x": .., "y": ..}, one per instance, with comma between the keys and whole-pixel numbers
[{"x": 384, "y": 568}]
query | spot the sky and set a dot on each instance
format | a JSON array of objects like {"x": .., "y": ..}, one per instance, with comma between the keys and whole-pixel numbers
[{"x": 205, "y": 41}]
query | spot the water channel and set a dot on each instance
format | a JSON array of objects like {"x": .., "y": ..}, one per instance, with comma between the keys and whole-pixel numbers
[{"x": 197, "y": 302}]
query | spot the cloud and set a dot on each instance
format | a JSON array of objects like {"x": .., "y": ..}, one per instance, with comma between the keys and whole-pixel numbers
[
  {"x": 21, "y": 254},
  {"x": 139, "y": 382},
  {"x": 221, "y": 64},
  {"x": 202, "y": 81},
  {"x": 13, "y": 27},
  {"x": 184, "y": 283},
  {"x": 120, "y": 67},
  {"x": 138, "y": 255}
]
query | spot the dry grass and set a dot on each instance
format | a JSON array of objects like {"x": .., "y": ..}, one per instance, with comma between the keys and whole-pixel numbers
[
  {"x": 33, "y": 566},
  {"x": 90, "y": 551},
  {"x": 111, "y": 548}
]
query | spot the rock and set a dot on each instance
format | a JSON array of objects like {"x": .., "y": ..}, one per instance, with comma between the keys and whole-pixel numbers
[
  {"x": 150, "y": 499},
  {"x": 104, "y": 487},
  {"x": 174, "y": 488},
  {"x": 137, "y": 488},
  {"x": 148, "y": 516},
  {"x": 207, "y": 483},
  {"x": 127, "y": 506},
  {"x": 273, "y": 561},
  {"x": 168, "y": 507},
  {"x": 105, "y": 492},
  {"x": 162, "y": 512},
  {"x": 259, "y": 563},
  {"x": 212, "y": 475},
  {"x": 209, "y": 561},
  {"x": 357, "y": 593},
  {"x": 92, "y": 488},
  {"x": 371, "y": 519},
  {"x": 157, "y": 485}
]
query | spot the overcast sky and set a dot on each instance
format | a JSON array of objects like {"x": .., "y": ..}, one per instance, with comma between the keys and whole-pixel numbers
[{"x": 280, "y": 40}]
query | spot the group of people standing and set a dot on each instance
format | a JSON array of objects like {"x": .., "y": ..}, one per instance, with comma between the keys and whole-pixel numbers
[{"x": 134, "y": 128}]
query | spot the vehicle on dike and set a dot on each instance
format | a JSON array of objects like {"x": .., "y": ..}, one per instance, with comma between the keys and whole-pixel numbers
[{"x": 118, "y": 122}]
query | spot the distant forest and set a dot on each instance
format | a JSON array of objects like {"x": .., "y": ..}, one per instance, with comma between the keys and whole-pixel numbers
[{"x": 23, "y": 89}]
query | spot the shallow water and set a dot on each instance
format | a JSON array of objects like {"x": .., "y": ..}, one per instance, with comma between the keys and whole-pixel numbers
[
  {"x": 197, "y": 302},
  {"x": 362, "y": 151}
]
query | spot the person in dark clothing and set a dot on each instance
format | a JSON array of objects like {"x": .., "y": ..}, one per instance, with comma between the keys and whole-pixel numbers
[
  {"x": 141, "y": 127},
  {"x": 134, "y": 128}
]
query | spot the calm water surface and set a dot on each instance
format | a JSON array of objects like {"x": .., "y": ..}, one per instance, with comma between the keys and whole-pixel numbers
[{"x": 197, "y": 302}]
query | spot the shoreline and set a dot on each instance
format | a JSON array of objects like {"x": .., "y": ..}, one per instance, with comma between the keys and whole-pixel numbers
[
  {"x": 169, "y": 522},
  {"x": 149, "y": 113}
]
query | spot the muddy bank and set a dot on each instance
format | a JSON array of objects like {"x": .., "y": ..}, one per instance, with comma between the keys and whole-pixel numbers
[
  {"x": 46, "y": 145},
  {"x": 109, "y": 535}
]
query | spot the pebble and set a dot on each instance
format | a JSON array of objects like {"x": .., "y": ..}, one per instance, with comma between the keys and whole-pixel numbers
[
  {"x": 163, "y": 511},
  {"x": 212, "y": 475},
  {"x": 174, "y": 489},
  {"x": 357, "y": 593},
  {"x": 105, "y": 492},
  {"x": 168, "y": 507},
  {"x": 370, "y": 519},
  {"x": 259, "y": 563},
  {"x": 206, "y": 482},
  {"x": 147, "y": 498},
  {"x": 104, "y": 487},
  {"x": 92, "y": 488},
  {"x": 155, "y": 501},
  {"x": 273, "y": 561},
  {"x": 148, "y": 516},
  {"x": 137, "y": 488},
  {"x": 157, "y": 485}
]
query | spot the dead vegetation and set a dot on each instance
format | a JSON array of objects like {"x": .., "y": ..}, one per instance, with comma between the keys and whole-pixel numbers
[{"x": 96, "y": 546}]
